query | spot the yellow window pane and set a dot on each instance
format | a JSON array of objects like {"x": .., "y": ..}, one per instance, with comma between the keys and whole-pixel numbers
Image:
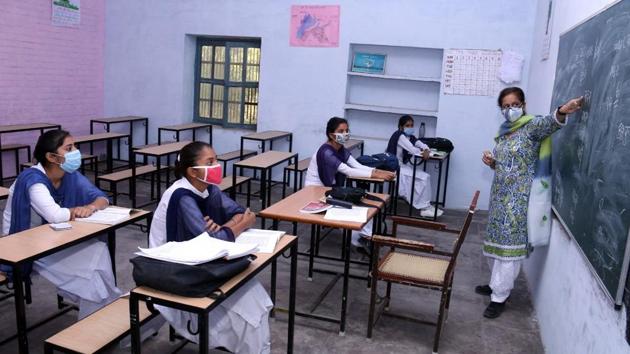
[
  {"x": 234, "y": 113},
  {"x": 253, "y": 56},
  {"x": 204, "y": 91},
  {"x": 234, "y": 95},
  {"x": 204, "y": 109},
  {"x": 253, "y": 73},
  {"x": 251, "y": 95},
  {"x": 219, "y": 54},
  {"x": 250, "y": 114},
  {"x": 205, "y": 70},
  {"x": 219, "y": 71},
  {"x": 236, "y": 55},
  {"x": 236, "y": 72},
  {"x": 217, "y": 109},
  {"x": 206, "y": 53},
  {"x": 217, "y": 95}
]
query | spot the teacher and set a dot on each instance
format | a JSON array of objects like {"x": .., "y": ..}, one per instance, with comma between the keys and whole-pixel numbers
[{"x": 521, "y": 155}]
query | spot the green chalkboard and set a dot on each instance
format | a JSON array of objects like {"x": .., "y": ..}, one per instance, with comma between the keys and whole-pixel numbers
[{"x": 591, "y": 155}]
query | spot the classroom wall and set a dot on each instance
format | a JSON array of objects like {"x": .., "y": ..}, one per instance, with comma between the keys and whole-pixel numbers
[
  {"x": 149, "y": 57},
  {"x": 574, "y": 314},
  {"x": 50, "y": 73}
]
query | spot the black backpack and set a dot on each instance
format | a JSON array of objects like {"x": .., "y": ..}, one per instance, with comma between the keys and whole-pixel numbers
[
  {"x": 440, "y": 144},
  {"x": 382, "y": 161},
  {"x": 352, "y": 195},
  {"x": 187, "y": 280}
]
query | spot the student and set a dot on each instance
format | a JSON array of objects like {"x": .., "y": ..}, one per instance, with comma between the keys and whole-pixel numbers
[
  {"x": 332, "y": 163},
  {"x": 404, "y": 145},
  {"x": 189, "y": 207},
  {"x": 57, "y": 192},
  {"x": 521, "y": 154}
]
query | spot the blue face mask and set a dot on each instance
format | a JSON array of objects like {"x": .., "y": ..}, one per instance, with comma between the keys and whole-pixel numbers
[
  {"x": 408, "y": 131},
  {"x": 72, "y": 161}
]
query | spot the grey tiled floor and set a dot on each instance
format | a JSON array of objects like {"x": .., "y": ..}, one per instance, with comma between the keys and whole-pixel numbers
[{"x": 466, "y": 331}]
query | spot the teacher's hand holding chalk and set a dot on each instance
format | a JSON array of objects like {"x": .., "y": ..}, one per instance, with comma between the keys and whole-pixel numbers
[{"x": 571, "y": 106}]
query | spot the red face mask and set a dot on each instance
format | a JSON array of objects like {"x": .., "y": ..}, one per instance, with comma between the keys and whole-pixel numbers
[{"x": 212, "y": 175}]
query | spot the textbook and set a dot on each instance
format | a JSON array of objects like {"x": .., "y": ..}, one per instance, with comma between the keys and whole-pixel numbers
[
  {"x": 198, "y": 250},
  {"x": 356, "y": 214},
  {"x": 315, "y": 207},
  {"x": 108, "y": 216},
  {"x": 265, "y": 240}
]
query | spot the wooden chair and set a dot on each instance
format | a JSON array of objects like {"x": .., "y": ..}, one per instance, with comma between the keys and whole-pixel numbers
[{"x": 424, "y": 267}]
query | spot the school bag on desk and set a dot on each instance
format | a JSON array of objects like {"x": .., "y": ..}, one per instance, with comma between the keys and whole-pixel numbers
[
  {"x": 440, "y": 144},
  {"x": 382, "y": 161},
  {"x": 187, "y": 280}
]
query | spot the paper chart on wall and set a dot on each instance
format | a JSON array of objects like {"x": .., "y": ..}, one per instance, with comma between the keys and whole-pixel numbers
[
  {"x": 471, "y": 72},
  {"x": 314, "y": 26},
  {"x": 66, "y": 13}
]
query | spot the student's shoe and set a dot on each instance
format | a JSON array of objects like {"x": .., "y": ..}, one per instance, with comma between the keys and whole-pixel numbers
[
  {"x": 364, "y": 247},
  {"x": 483, "y": 290},
  {"x": 494, "y": 310},
  {"x": 429, "y": 212}
]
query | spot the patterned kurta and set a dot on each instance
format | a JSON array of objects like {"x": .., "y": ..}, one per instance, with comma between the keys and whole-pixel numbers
[{"x": 515, "y": 155}]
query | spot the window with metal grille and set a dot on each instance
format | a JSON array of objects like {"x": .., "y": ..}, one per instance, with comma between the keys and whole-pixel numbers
[{"x": 227, "y": 72}]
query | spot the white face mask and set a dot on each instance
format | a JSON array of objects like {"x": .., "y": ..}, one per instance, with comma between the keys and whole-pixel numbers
[
  {"x": 512, "y": 114},
  {"x": 342, "y": 138}
]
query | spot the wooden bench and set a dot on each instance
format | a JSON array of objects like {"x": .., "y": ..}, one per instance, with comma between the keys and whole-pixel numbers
[
  {"x": 92, "y": 160},
  {"x": 97, "y": 331},
  {"x": 120, "y": 176},
  {"x": 233, "y": 155},
  {"x": 16, "y": 148},
  {"x": 226, "y": 185},
  {"x": 302, "y": 166}
]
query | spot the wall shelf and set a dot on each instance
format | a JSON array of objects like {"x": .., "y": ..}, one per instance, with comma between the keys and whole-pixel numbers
[
  {"x": 396, "y": 77},
  {"x": 394, "y": 110}
]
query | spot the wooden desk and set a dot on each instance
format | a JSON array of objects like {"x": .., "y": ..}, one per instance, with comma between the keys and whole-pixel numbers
[
  {"x": 264, "y": 163},
  {"x": 353, "y": 144},
  {"x": 15, "y": 128},
  {"x": 107, "y": 122},
  {"x": 183, "y": 127},
  {"x": 203, "y": 305},
  {"x": 4, "y": 193},
  {"x": 108, "y": 138},
  {"x": 268, "y": 136},
  {"x": 41, "y": 241},
  {"x": 417, "y": 161},
  {"x": 288, "y": 209},
  {"x": 158, "y": 152}
]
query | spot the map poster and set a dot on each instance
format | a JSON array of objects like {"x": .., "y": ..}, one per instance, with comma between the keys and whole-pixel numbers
[
  {"x": 66, "y": 13},
  {"x": 314, "y": 26}
]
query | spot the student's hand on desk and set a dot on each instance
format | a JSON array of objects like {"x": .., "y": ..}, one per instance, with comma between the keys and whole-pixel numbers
[
  {"x": 211, "y": 226},
  {"x": 425, "y": 154},
  {"x": 81, "y": 212},
  {"x": 386, "y": 175}
]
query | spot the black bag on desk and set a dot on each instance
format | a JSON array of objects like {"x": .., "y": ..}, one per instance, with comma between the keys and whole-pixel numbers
[
  {"x": 381, "y": 161},
  {"x": 186, "y": 280},
  {"x": 352, "y": 195},
  {"x": 440, "y": 144}
]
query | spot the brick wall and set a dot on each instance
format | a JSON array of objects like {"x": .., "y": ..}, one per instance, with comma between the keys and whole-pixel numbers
[{"x": 50, "y": 73}]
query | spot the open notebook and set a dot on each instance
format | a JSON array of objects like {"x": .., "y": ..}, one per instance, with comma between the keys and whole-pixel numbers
[
  {"x": 198, "y": 250},
  {"x": 109, "y": 216},
  {"x": 265, "y": 240}
]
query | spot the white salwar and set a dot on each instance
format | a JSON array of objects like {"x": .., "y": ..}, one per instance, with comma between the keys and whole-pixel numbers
[
  {"x": 82, "y": 273},
  {"x": 504, "y": 274},
  {"x": 241, "y": 322},
  {"x": 351, "y": 169},
  {"x": 422, "y": 187}
]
